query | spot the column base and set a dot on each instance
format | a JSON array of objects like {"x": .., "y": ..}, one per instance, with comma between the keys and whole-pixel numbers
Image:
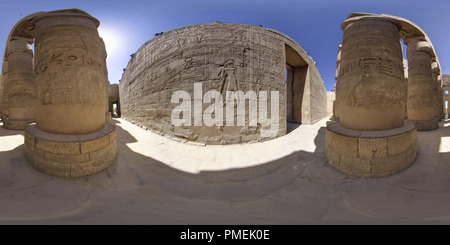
[
  {"x": 426, "y": 125},
  {"x": 17, "y": 124},
  {"x": 370, "y": 153},
  {"x": 70, "y": 156}
]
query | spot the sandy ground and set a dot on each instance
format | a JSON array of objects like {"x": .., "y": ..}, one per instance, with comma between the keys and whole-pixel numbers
[{"x": 283, "y": 181}]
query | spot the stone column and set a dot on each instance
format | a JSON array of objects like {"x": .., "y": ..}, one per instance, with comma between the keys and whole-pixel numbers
[
  {"x": 2, "y": 78},
  {"x": 421, "y": 89},
  {"x": 372, "y": 87},
  {"x": 71, "y": 74},
  {"x": 445, "y": 100},
  {"x": 18, "y": 97},
  {"x": 335, "y": 117},
  {"x": 405, "y": 70},
  {"x": 371, "y": 138},
  {"x": 436, "y": 77},
  {"x": 70, "y": 138},
  {"x": 441, "y": 97}
]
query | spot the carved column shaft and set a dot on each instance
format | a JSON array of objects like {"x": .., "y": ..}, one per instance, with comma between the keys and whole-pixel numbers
[
  {"x": 421, "y": 92},
  {"x": 371, "y": 79},
  {"x": 71, "y": 76},
  {"x": 441, "y": 97},
  {"x": 338, "y": 68},
  {"x": 18, "y": 100},
  {"x": 436, "y": 73}
]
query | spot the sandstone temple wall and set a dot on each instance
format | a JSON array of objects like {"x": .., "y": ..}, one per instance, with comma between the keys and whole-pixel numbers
[
  {"x": 318, "y": 97},
  {"x": 220, "y": 57},
  {"x": 331, "y": 98}
]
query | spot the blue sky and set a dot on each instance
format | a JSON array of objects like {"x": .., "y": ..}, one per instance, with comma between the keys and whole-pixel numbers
[{"x": 314, "y": 24}]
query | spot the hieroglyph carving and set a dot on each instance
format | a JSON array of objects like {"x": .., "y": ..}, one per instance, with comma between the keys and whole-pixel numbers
[{"x": 64, "y": 59}]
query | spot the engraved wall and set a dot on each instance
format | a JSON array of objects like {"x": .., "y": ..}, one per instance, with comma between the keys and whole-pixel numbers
[{"x": 219, "y": 57}]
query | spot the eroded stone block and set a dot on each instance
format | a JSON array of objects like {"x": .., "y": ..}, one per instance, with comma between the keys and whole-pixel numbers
[
  {"x": 370, "y": 148},
  {"x": 399, "y": 144}
]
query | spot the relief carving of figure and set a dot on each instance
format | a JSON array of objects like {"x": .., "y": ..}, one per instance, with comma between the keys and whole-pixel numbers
[{"x": 227, "y": 77}]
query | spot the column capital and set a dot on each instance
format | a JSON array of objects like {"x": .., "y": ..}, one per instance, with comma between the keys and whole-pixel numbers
[
  {"x": 435, "y": 68},
  {"x": 419, "y": 44},
  {"x": 21, "y": 45},
  {"x": 370, "y": 17},
  {"x": 72, "y": 13}
]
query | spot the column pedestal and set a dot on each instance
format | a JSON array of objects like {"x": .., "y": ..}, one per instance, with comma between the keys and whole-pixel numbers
[
  {"x": 370, "y": 153},
  {"x": 426, "y": 125},
  {"x": 71, "y": 156}
]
